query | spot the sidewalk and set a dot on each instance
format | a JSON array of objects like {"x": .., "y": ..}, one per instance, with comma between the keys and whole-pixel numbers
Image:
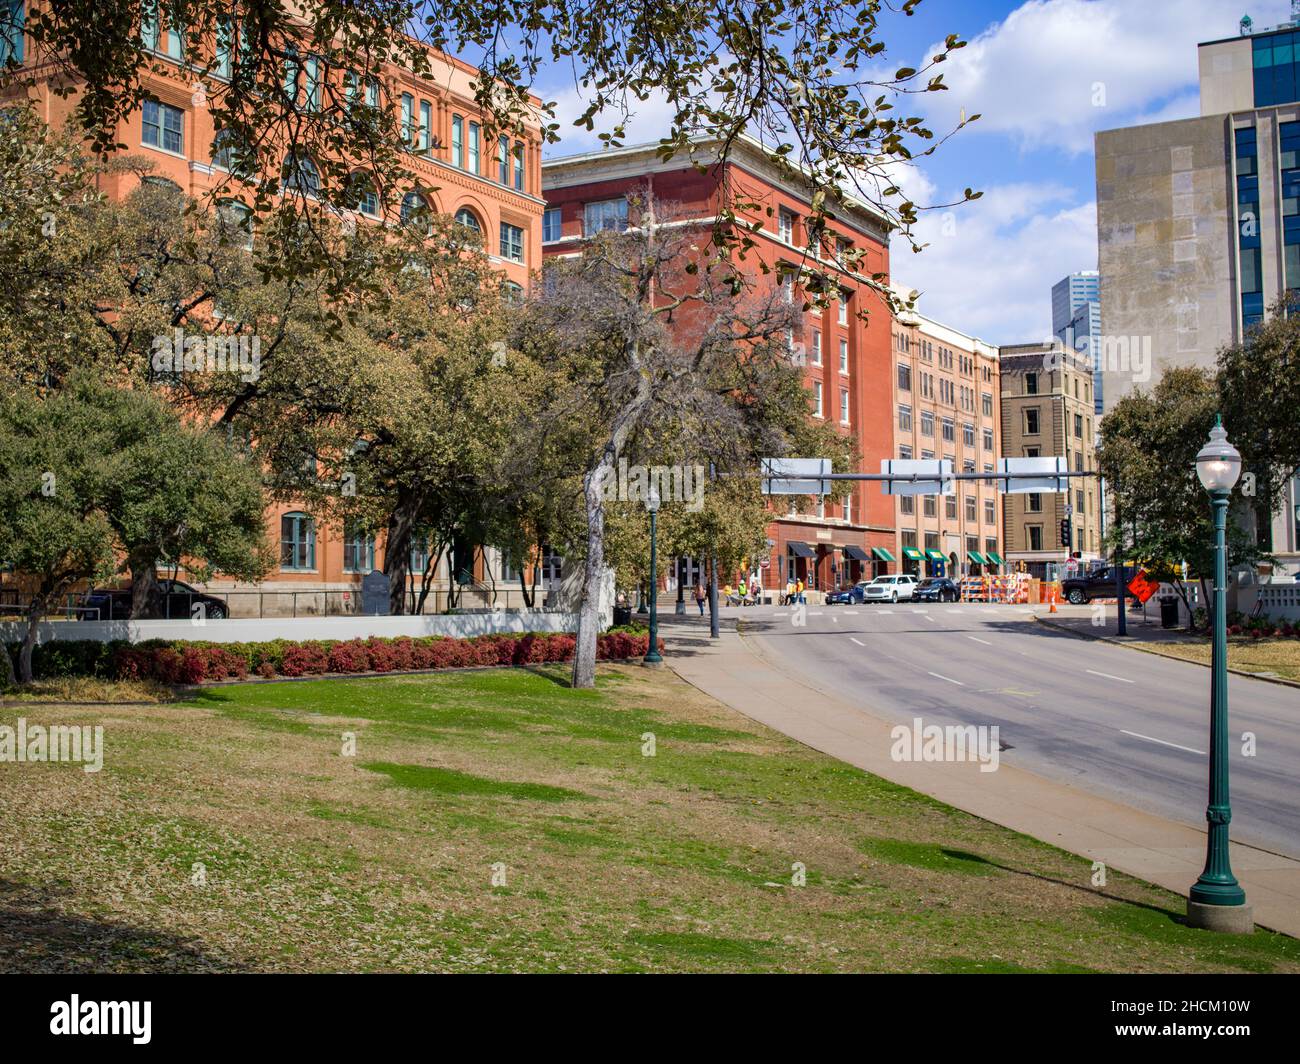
[{"x": 1152, "y": 848}]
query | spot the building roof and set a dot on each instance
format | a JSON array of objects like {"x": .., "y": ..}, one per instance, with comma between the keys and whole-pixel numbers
[
  {"x": 936, "y": 329},
  {"x": 747, "y": 153}
]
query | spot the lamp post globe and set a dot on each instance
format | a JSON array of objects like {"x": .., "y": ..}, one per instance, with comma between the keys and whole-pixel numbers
[
  {"x": 1216, "y": 900},
  {"x": 653, "y": 657}
]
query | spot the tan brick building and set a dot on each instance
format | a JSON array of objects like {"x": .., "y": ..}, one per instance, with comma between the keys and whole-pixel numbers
[
  {"x": 1047, "y": 410},
  {"x": 945, "y": 387}
]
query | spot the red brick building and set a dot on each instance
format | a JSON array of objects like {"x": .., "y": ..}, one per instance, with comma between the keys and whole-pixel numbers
[{"x": 848, "y": 364}]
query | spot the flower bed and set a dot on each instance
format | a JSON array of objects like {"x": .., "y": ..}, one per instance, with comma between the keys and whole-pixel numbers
[{"x": 177, "y": 662}]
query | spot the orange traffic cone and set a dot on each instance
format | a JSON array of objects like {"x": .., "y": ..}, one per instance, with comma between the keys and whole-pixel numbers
[{"x": 1052, "y": 609}]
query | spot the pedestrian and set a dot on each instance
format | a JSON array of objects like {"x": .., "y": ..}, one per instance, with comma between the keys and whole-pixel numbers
[
  {"x": 798, "y": 590},
  {"x": 700, "y": 595}
]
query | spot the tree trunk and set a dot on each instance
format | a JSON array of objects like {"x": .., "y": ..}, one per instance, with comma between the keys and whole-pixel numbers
[
  {"x": 426, "y": 579},
  {"x": 34, "y": 614},
  {"x": 397, "y": 551},
  {"x": 11, "y": 677},
  {"x": 146, "y": 594}
]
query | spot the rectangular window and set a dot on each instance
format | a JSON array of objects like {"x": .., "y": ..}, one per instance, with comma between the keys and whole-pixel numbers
[
  {"x": 512, "y": 242},
  {"x": 1033, "y": 503},
  {"x": 551, "y": 225},
  {"x": 949, "y": 431},
  {"x": 519, "y": 167},
  {"x": 425, "y": 144},
  {"x": 164, "y": 126},
  {"x": 968, "y": 435},
  {"x": 817, "y": 398},
  {"x": 408, "y": 119},
  {"x": 970, "y": 507},
  {"x": 950, "y": 506},
  {"x": 1078, "y": 426},
  {"x": 1035, "y": 536},
  {"x": 358, "y": 551},
  {"x": 817, "y": 347},
  {"x": 604, "y": 215},
  {"x": 372, "y": 92},
  {"x": 904, "y": 378},
  {"x": 475, "y": 166},
  {"x": 503, "y": 160},
  {"x": 907, "y": 505},
  {"x": 990, "y": 512},
  {"x": 844, "y": 309},
  {"x": 905, "y": 418},
  {"x": 905, "y": 452},
  {"x": 930, "y": 506},
  {"x": 988, "y": 439},
  {"x": 844, "y": 356},
  {"x": 149, "y": 25},
  {"x": 844, "y": 406},
  {"x": 1031, "y": 421},
  {"x": 223, "y": 64},
  {"x": 458, "y": 142},
  {"x": 11, "y": 33},
  {"x": 297, "y": 542},
  {"x": 987, "y": 399},
  {"x": 927, "y": 423},
  {"x": 785, "y": 225},
  {"x": 1031, "y": 383}
]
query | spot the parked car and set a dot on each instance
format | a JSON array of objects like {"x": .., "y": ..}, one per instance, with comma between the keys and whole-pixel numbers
[
  {"x": 937, "y": 589},
  {"x": 1100, "y": 583},
  {"x": 848, "y": 595},
  {"x": 896, "y": 588},
  {"x": 114, "y": 604}
]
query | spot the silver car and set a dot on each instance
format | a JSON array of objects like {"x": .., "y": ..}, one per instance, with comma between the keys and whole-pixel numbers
[{"x": 897, "y": 588}]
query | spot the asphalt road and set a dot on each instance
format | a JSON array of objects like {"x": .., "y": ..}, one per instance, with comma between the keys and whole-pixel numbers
[{"x": 1125, "y": 725}]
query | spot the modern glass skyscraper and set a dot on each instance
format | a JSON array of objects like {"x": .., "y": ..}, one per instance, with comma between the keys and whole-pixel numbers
[{"x": 1076, "y": 320}]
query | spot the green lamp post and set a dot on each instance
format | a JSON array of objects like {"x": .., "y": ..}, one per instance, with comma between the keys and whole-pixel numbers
[
  {"x": 653, "y": 657},
  {"x": 1216, "y": 901}
]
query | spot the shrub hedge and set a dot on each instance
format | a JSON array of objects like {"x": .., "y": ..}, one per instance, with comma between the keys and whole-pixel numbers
[{"x": 177, "y": 662}]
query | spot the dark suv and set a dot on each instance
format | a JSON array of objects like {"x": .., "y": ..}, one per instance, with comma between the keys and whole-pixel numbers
[
  {"x": 936, "y": 589},
  {"x": 1100, "y": 583},
  {"x": 114, "y": 604}
]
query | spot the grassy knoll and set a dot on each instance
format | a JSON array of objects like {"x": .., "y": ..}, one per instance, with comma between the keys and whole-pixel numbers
[{"x": 497, "y": 820}]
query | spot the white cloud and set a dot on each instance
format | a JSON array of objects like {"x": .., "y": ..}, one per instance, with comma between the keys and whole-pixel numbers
[
  {"x": 649, "y": 121},
  {"x": 990, "y": 264},
  {"x": 1054, "y": 71}
]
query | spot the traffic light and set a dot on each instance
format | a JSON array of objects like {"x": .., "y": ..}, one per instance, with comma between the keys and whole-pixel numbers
[{"x": 1065, "y": 533}]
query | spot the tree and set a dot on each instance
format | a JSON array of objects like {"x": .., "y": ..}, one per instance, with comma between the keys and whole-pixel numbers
[
  {"x": 651, "y": 357},
  {"x": 809, "y": 77},
  {"x": 1148, "y": 456},
  {"x": 90, "y": 473}
]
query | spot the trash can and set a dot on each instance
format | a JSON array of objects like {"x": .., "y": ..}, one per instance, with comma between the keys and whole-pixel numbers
[
  {"x": 1169, "y": 611},
  {"x": 622, "y": 615}
]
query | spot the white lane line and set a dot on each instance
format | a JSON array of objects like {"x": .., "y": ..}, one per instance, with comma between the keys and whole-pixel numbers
[
  {"x": 836, "y": 620},
  {"x": 1109, "y": 676},
  {"x": 885, "y": 613},
  {"x": 858, "y": 641},
  {"x": 934, "y": 619},
  {"x": 977, "y": 639},
  {"x": 938, "y": 677},
  {"x": 955, "y": 611},
  {"x": 1162, "y": 742},
  {"x": 850, "y": 613}
]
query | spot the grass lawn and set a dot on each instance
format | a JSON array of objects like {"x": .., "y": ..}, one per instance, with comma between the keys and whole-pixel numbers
[
  {"x": 1281, "y": 657},
  {"x": 232, "y": 832}
]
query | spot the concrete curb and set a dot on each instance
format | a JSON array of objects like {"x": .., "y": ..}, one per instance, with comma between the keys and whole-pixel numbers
[{"x": 1150, "y": 649}]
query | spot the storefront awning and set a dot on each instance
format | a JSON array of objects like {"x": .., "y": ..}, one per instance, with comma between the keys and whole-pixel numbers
[
  {"x": 913, "y": 553},
  {"x": 976, "y": 557},
  {"x": 883, "y": 554},
  {"x": 801, "y": 550},
  {"x": 857, "y": 554},
  {"x": 936, "y": 555},
  {"x": 994, "y": 557}
]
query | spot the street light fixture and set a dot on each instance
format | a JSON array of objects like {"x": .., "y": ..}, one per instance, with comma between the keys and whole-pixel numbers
[
  {"x": 653, "y": 657},
  {"x": 1216, "y": 901}
]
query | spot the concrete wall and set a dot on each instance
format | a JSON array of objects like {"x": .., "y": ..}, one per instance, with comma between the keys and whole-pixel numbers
[
  {"x": 241, "y": 630},
  {"x": 1227, "y": 76},
  {"x": 1165, "y": 248}
]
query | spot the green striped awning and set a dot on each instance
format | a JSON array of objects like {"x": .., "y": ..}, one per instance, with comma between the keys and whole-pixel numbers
[
  {"x": 936, "y": 555},
  {"x": 993, "y": 556},
  {"x": 883, "y": 554},
  {"x": 913, "y": 553},
  {"x": 976, "y": 557}
]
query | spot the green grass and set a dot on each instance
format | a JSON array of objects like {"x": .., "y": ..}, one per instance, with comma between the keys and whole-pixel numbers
[{"x": 496, "y": 820}]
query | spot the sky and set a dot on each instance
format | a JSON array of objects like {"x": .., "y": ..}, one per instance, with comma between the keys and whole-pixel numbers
[{"x": 1044, "y": 75}]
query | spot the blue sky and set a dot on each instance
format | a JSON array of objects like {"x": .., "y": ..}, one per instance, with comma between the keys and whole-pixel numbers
[{"x": 1045, "y": 75}]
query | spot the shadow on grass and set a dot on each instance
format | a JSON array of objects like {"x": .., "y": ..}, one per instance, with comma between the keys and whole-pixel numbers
[{"x": 37, "y": 936}]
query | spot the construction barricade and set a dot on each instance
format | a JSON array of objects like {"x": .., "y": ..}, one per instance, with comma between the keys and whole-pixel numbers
[{"x": 1008, "y": 588}]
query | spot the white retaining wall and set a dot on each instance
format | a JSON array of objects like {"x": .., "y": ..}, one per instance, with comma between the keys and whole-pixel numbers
[
  {"x": 1281, "y": 602},
  {"x": 257, "y": 630}
]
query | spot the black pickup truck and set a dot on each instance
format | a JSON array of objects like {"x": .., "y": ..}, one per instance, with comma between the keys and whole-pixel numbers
[{"x": 1100, "y": 583}]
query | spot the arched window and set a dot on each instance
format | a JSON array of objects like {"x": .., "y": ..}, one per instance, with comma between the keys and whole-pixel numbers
[
  {"x": 236, "y": 222},
  {"x": 469, "y": 219},
  {"x": 297, "y": 542},
  {"x": 299, "y": 174},
  {"x": 227, "y": 154},
  {"x": 415, "y": 211},
  {"x": 363, "y": 193},
  {"x": 358, "y": 549}
]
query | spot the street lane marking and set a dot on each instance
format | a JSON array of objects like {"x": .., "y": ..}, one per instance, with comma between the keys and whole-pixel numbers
[
  {"x": 858, "y": 641},
  {"x": 885, "y": 613},
  {"x": 954, "y": 611},
  {"x": 934, "y": 619},
  {"x": 1109, "y": 676},
  {"x": 977, "y": 639},
  {"x": 1162, "y": 742},
  {"x": 938, "y": 677},
  {"x": 850, "y": 613}
]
